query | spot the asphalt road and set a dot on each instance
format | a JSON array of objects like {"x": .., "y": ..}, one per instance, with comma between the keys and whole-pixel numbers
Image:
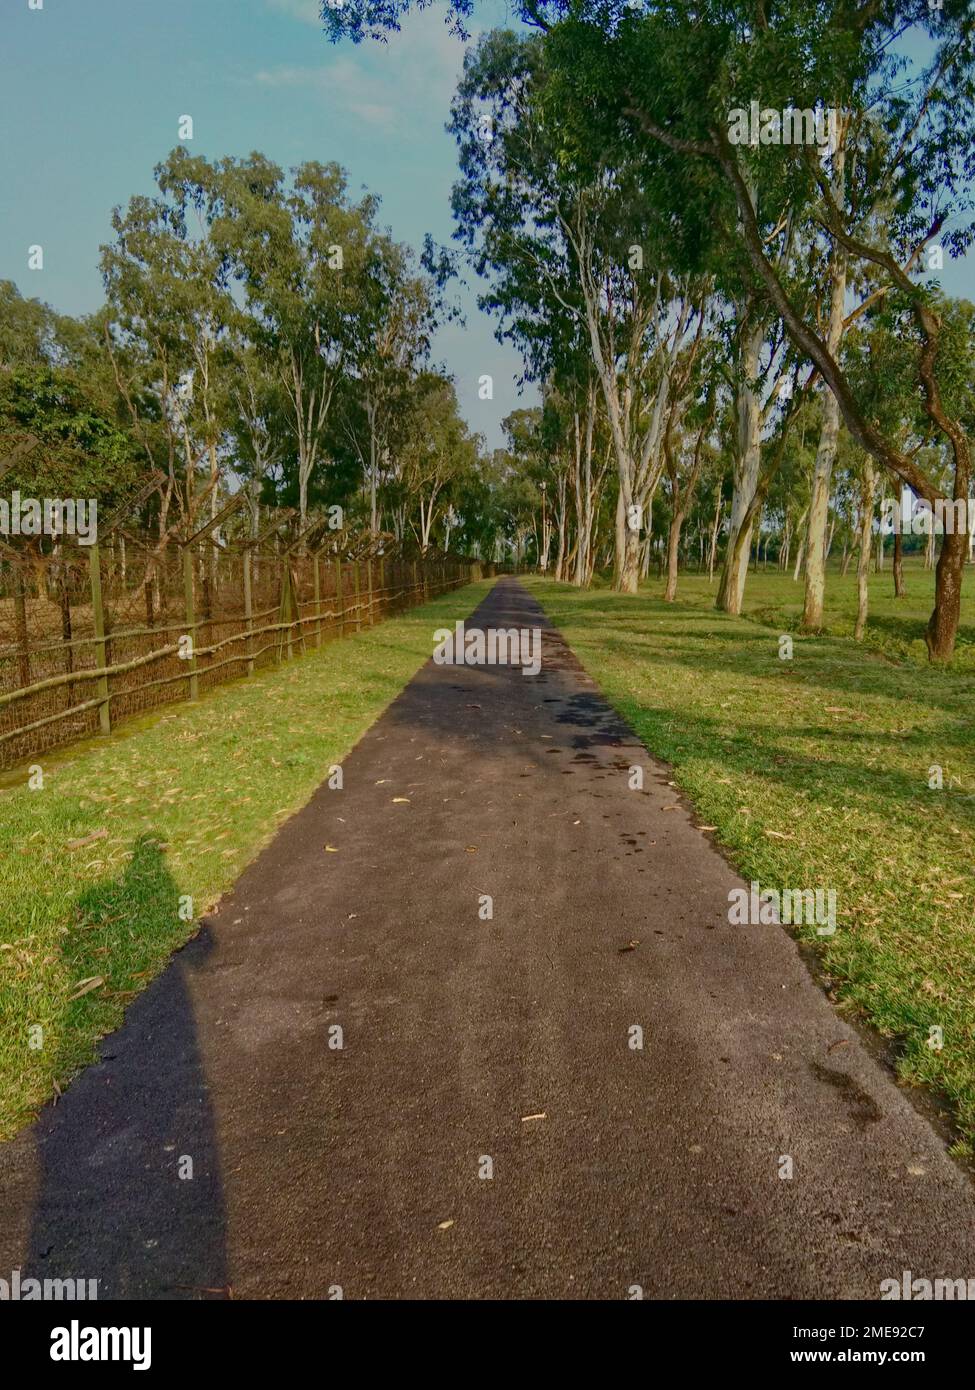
[{"x": 466, "y": 1039}]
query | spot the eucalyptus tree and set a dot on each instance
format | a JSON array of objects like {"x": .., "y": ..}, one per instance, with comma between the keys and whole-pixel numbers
[
  {"x": 565, "y": 232},
  {"x": 680, "y": 72},
  {"x": 298, "y": 251},
  {"x": 439, "y": 453},
  {"x": 392, "y": 331},
  {"x": 144, "y": 331},
  {"x": 165, "y": 324},
  {"x": 685, "y": 78},
  {"x": 688, "y": 450},
  {"x": 255, "y": 410}
]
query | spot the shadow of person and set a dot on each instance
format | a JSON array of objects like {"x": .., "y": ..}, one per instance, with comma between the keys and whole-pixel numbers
[{"x": 122, "y": 1176}]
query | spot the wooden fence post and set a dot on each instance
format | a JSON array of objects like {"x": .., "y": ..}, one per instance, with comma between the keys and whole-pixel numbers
[
  {"x": 318, "y": 602},
  {"x": 64, "y": 600},
  {"x": 20, "y": 625},
  {"x": 358, "y": 609},
  {"x": 382, "y": 586},
  {"x": 101, "y": 651},
  {"x": 248, "y": 610},
  {"x": 339, "y": 602},
  {"x": 369, "y": 593},
  {"x": 189, "y": 598},
  {"x": 288, "y": 602}
]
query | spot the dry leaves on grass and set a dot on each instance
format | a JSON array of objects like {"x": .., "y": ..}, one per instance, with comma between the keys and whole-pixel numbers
[
  {"x": 87, "y": 840},
  {"x": 86, "y": 986}
]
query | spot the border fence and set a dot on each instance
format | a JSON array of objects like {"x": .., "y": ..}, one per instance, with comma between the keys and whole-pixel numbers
[{"x": 93, "y": 635}]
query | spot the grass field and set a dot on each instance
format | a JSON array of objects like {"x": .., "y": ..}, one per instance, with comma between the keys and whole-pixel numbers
[
  {"x": 815, "y": 773},
  {"x": 179, "y": 805},
  {"x": 895, "y": 626}
]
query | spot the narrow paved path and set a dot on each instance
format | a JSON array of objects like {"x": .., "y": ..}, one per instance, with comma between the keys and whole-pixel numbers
[{"x": 316, "y": 1167}]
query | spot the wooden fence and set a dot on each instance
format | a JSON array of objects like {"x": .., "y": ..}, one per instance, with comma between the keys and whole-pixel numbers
[{"x": 90, "y": 636}]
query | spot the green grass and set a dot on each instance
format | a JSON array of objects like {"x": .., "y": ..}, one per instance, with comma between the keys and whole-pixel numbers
[
  {"x": 815, "y": 773},
  {"x": 187, "y": 800},
  {"x": 895, "y": 625}
]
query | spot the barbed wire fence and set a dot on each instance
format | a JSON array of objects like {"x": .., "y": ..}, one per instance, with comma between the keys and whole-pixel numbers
[{"x": 92, "y": 635}]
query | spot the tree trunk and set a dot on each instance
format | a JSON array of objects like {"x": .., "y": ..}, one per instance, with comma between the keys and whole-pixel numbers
[
  {"x": 746, "y": 471},
  {"x": 863, "y": 562},
  {"x": 899, "y": 590},
  {"x": 943, "y": 624},
  {"x": 627, "y": 550},
  {"x": 715, "y": 528},
  {"x": 736, "y": 562},
  {"x": 673, "y": 543},
  {"x": 816, "y": 547}
]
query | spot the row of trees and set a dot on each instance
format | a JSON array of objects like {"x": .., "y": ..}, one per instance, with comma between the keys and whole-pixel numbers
[
  {"x": 261, "y": 335},
  {"x": 714, "y": 229}
]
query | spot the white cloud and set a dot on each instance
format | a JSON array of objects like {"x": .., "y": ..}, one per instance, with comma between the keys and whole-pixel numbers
[
  {"x": 341, "y": 82},
  {"x": 308, "y": 11},
  {"x": 384, "y": 85}
]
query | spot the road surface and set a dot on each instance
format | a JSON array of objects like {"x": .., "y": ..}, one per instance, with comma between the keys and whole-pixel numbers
[{"x": 486, "y": 1129}]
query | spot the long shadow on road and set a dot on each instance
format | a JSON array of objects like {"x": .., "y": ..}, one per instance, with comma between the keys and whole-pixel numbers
[
  {"x": 476, "y": 1025},
  {"x": 120, "y": 1181}
]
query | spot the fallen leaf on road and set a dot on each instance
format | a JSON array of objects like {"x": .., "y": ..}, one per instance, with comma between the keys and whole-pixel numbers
[
  {"x": 471, "y": 849},
  {"x": 401, "y": 798},
  {"x": 87, "y": 840},
  {"x": 843, "y": 1042},
  {"x": 707, "y": 827},
  {"x": 670, "y": 808},
  {"x": 630, "y": 946},
  {"x": 445, "y": 1226},
  {"x": 540, "y": 1116},
  {"x": 330, "y": 849}
]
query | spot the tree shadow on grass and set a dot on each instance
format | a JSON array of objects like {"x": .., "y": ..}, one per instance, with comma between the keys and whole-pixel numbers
[
  {"x": 121, "y": 1178},
  {"x": 715, "y": 643},
  {"x": 729, "y": 659},
  {"x": 838, "y": 783}
]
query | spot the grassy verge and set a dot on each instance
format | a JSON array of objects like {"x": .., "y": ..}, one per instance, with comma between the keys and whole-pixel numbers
[
  {"x": 895, "y": 625},
  {"x": 815, "y": 772},
  {"x": 180, "y": 805}
]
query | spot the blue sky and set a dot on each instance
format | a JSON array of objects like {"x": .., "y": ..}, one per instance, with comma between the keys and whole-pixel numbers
[{"x": 91, "y": 95}]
